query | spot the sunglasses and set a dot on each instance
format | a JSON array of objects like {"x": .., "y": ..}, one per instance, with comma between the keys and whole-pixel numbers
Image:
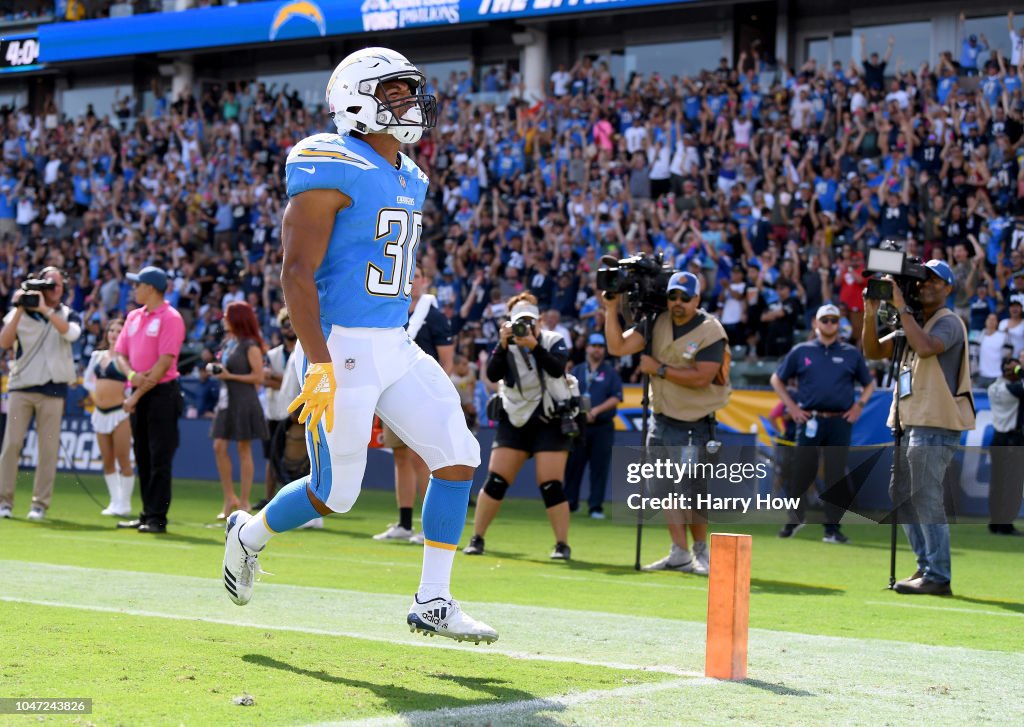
[
  {"x": 829, "y": 320},
  {"x": 679, "y": 295}
]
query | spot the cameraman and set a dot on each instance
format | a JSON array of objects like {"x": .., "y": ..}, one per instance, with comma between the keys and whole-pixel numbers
[
  {"x": 42, "y": 367},
  {"x": 534, "y": 420},
  {"x": 689, "y": 372},
  {"x": 933, "y": 393}
]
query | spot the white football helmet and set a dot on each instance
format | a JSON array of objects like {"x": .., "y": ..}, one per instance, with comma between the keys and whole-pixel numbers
[{"x": 354, "y": 105}]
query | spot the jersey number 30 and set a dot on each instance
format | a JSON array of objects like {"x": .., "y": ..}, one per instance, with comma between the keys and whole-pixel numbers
[{"x": 399, "y": 230}]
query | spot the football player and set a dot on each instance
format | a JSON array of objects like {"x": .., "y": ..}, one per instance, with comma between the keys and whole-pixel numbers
[{"x": 350, "y": 233}]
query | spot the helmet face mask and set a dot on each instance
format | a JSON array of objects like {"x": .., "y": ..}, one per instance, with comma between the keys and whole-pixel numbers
[{"x": 356, "y": 87}]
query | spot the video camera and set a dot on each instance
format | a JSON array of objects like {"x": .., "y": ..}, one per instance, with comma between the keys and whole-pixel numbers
[
  {"x": 641, "y": 278},
  {"x": 906, "y": 271},
  {"x": 33, "y": 287}
]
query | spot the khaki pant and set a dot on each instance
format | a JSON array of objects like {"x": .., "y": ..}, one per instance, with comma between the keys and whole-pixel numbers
[{"x": 48, "y": 411}]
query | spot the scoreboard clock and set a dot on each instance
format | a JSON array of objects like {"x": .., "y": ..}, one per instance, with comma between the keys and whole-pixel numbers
[{"x": 19, "y": 53}]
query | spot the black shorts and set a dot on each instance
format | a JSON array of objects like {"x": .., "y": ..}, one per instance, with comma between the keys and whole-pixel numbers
[
  {"x": 274, "y": 425},
  {"x": 535, "y": 436}
]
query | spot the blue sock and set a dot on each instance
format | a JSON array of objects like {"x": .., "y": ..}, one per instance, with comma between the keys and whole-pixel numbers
[
  {"x": 444, "y": 511},
  {"x": 444, "y": 516},
  {"x": 290, "y": 507}
]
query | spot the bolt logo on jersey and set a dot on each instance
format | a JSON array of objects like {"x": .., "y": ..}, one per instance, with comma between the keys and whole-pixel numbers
[{"x": 365, "y": 278}]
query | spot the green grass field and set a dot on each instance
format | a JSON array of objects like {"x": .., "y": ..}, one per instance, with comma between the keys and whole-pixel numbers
[{"x": 142, "y": 625}]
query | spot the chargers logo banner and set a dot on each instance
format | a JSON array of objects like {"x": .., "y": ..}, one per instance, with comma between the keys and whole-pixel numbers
[
  {"x": 254, "y": 23},
  {"x": 304, "y": 10}
]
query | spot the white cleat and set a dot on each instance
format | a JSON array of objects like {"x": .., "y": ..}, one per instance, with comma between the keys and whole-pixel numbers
[
  {"x": 669, "y": 562},
  {"x": 240, "y": 564},
  {"x": 394, "y": 532},
  {"x": 444, "y": 617},
  {"x": 417, "y": 539},
  {"x": 36, "y": 514},
  {"x": 5, "y": 511},
  {"x": 316, "y": 523}
]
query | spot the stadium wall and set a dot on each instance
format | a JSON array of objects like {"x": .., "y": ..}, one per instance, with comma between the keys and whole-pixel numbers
[{"x": 79, "y": 452}]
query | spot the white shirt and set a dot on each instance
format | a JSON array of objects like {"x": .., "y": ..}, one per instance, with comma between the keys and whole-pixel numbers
[
  {"x": 858, "y": 101},
  {"x": 26, "y": 211},
  {"x": 901, "y": 97},
  {"x": 50, "y": 173},
  {"x": 1016, "y": 45},
  {"x": 742, "y": 130},
  {"x": 1015, "y": 335},
  {"x": 800, "y": 112},
  {"x": 990, "y": 354},
  {"x": 659, "y": 160},
  {"x": 635, "y": 136},
  {"x": 1004, "y": 406},
  {"x": 732, "y": 307},
  {"x": 560, "y": 81}
]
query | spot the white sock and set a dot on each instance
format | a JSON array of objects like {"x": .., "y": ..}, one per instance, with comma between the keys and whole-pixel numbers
[
  {"x": 113, "y": 487},
  {"x": 437, "y": 573},
  {"x": 255, "y": 533},
  {"x": 127, "y": 485}
]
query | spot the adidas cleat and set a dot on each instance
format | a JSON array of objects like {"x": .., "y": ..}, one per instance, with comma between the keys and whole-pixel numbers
[
  {"x": 444, "y": 617},
  {"x": 240, "y": 565}
]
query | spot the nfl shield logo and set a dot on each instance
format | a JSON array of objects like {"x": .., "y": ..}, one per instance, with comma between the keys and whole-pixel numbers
[
  {"x": 350, "y": 363},
  {"x": 401, "y": 180}
]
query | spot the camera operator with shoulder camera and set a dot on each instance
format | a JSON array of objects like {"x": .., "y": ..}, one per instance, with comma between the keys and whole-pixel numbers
[
  {"x": 934, "y": 403},
  {"x": 689, "y": 370},
  {"x": 41, "y": 329},
  {"x": 538, "y": 406}
]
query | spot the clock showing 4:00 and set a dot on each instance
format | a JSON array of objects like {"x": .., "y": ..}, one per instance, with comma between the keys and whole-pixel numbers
[{"x": 20, "y": 53}]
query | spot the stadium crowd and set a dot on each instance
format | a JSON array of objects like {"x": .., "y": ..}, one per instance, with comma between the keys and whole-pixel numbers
[{"x": 770, "y": 184}]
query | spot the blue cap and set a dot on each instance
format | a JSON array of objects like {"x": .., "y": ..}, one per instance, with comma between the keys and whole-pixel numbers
[
  {"x": 940, "y": 269},
  {"x": 596, "y": 339},
  {"x": 150, "y": 275},
  {"x": 686, "y": 282}
]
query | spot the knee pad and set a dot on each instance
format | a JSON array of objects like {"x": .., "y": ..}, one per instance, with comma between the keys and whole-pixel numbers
[
  {"x": 495, "y": 486},
  {"x": 552, "y": 493}
]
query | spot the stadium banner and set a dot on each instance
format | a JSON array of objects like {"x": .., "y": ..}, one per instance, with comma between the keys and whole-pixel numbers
[
  {"x": 271, "y": 22},
  {"x": 79, "y": 452}
]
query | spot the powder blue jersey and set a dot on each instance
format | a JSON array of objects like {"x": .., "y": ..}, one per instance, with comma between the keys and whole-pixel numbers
[{"x": 365, "y": 279}]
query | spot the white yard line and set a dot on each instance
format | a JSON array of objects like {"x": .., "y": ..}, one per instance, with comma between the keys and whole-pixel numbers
[
  {"x": 925, "y": 607},
  {"x": 516, "y": 711}
]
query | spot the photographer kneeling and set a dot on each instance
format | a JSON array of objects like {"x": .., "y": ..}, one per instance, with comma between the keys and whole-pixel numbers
[
  {"x": 935, "y": 404},
  {"x": 689, "y": 374},
  {"x": 43, "y": 366},
  {"x": 536, "y": 419}
]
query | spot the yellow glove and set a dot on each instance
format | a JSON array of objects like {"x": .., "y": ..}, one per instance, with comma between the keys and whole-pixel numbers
[{"x": 316, "y": 398}]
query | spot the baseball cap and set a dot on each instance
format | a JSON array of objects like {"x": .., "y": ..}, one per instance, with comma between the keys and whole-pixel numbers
[
  {"x": 686, "y": 282},
  {"x": 596, "y": 339},
  {"x": 150, "y": 275},
  {"x": 827, "y": 310},
  {"x": 522, "y": 309},
  {"x": 940, "y": 269}
]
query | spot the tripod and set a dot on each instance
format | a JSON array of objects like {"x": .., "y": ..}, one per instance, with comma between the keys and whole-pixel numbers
[
  {"x": 647, "y": 321},
  {"x": 899, "y": 347}
]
